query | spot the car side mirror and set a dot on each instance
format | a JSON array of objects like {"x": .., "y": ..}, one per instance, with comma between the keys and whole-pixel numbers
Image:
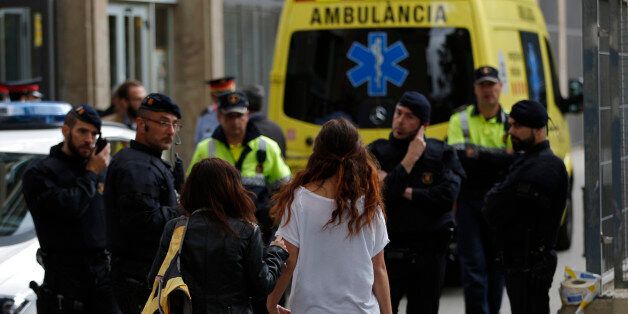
[{"x": 574, "y": 102}]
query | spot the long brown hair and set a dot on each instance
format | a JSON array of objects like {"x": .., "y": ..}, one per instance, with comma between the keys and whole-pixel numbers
[
  {"x": 214, "y": 186},
  {"x": 338, "y": 151}
]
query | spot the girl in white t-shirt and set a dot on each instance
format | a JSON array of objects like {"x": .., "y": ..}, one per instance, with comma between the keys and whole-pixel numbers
[{"x": 331, "y": 218}]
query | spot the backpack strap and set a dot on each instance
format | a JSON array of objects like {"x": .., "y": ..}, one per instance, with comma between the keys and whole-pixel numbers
[{"x": 176, "y": 244}]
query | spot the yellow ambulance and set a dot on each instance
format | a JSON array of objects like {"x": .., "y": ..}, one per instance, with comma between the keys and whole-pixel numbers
[{"x": 354, "y": 59}]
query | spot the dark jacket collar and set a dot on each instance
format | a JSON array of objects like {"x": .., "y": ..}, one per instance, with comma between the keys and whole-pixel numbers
[
  {"x": 143, "y": 148},
  {"x": 539, "y": 147},
  {"x": 57, "y": 152},
  {"x": 251, "y": 133},
  {"x": 398, "y": 143},
  {"x": 476, "y": 111}
]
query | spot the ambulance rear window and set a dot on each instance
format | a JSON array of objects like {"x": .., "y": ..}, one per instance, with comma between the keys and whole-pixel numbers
[{"x": 359, "y": 74}]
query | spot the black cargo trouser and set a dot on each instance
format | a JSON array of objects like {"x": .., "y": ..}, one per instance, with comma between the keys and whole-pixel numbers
[
  {"x": 77, "y": 288},
  {"x": 417, "y": 269},
  {"x": 528, "y": 288}
]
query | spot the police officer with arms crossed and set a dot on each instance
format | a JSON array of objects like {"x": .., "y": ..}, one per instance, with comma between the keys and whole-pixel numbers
[
  {"x": 64, "y": 194},
  {"x": 421, "y": 182},
  {"x": 140, "y": 198},
  {"x": 526, "y": 210},
  {"x": 479, "y": 135}
]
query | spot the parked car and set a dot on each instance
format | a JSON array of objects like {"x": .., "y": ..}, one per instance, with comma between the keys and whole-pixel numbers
[{"x": 27, "y": 131}]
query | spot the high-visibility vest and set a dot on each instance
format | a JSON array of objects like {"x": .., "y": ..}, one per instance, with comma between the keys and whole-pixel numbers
[{"x": 469, "y": 127}]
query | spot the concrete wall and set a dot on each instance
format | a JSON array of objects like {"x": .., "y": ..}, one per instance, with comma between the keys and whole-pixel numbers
[
  {"x": 83, "y": 52},
  {"x": 198, "y": 56}
]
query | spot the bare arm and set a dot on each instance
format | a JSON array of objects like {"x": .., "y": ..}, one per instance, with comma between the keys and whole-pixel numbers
[
  {"x": 381, "y": 288},
  {"x": 283, "y": 281}
]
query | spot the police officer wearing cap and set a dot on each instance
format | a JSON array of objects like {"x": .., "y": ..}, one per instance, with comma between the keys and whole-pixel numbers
[
  {"x": 258, "y": 158},
  {"x": 526, "y": 209},
  {"x": 64, "y": 195},
  {"x": 421, "y": 179},
  {"x": 479, "y": 135},
  {"x": 140, "y": 198}
]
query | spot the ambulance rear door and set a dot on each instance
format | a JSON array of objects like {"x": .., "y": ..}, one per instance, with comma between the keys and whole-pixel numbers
[{"x": 354, "y": 60}]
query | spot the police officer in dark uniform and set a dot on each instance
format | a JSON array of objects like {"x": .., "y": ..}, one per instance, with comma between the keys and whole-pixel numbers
[
  {"x": 526, "y": 209},
  {"x": 421, "y": 182},
  {"x": 64, "y": 195},
  {"x": 140, "y": 198}
]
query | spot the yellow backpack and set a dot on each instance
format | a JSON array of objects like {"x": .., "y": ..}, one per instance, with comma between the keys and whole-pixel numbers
[{"x": 170, "y": 295}]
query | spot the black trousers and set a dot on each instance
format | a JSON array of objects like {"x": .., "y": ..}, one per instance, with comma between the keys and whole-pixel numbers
[
  {"x": 130, "y": 285},
  {"x": 77, "y": 289},
  {"x": 416, "y": 269},
  {"x": 528, "y": 289}
]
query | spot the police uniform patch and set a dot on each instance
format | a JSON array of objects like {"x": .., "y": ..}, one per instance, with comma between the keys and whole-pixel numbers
[
  {"x": 485, "y": 70},
  {"x": 150, "y": 101},
  {"x": 427, "y": 178},
  {"x": 80, "y": 110},
  {"x": 101, "y": 188}
]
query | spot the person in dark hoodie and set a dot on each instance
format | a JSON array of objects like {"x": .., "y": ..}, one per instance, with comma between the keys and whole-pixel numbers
[
  {"x": 421, "y": 179},
  {"x": 223, "y": 260}
]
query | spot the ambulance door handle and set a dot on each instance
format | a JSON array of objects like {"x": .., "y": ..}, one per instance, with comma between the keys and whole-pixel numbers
[{"x": 309, "y": 141}]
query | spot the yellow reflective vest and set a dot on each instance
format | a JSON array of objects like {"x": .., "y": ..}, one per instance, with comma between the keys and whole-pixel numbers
[
  {"x": 469, "y": 127},
  {"x": 273, "y": 171}
]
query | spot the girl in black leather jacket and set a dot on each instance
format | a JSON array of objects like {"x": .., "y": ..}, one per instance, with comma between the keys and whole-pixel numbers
[{"x": 223, "y": 260}]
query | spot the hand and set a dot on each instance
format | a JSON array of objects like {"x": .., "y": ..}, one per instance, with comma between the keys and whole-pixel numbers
[
  {"x": 415, "y": 150},
  {"x": 99, "y": 162},
  {"x": 279, "y": 242},
  {"x": 282, "y": 310},
  {"x": 407, "y": 193},
  {"x": 382, "y": 175},
  {"x": 471, "y": 151},
  {"x": 277, "y": 309}
]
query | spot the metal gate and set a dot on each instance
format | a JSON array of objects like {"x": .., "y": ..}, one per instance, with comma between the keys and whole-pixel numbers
[
  {"x": 605, "y": 61},
  {"x": 250, "y": 28}
]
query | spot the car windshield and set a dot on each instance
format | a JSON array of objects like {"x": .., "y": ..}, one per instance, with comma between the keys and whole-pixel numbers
[
  {"x": 14, "y": 216},
  {"x": 359, "y": 74}
]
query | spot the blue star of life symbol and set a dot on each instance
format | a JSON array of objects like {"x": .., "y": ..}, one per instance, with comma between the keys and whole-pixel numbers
[{"x": 377, "y": 64}]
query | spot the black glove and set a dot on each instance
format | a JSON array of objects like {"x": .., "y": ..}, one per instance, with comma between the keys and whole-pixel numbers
[{"x": 179, "y": 173}]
